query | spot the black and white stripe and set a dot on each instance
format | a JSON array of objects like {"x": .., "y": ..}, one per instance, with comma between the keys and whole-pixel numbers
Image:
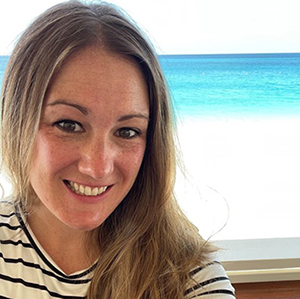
[{"x": 210, "y": 281}]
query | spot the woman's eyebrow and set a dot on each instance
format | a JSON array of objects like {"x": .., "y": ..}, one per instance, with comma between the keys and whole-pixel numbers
[
  {"x": 135, "y": 115},
  {"x": 67, "y": 103},
  {"x": 85, "y": 111}
]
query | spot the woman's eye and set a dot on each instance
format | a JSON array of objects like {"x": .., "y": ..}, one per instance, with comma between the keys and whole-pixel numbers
[
  {"x": 127, "y": 133},
  {"x": 69, "y": 126}
]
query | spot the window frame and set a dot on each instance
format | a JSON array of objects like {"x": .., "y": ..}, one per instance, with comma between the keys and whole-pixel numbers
[{"x": 260, "y": 260}]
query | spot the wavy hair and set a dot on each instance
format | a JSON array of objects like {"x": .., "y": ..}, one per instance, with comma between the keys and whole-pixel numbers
[{"x": 148, "y": 246}]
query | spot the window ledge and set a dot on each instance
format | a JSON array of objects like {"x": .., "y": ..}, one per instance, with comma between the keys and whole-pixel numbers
[{"x": 261, "y": 260}]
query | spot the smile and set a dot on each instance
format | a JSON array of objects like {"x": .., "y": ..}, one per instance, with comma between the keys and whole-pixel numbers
[{"x": 85, "y": 190}]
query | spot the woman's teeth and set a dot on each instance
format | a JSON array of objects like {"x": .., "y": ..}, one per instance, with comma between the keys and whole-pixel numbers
[{"x": 86, "y": 190}]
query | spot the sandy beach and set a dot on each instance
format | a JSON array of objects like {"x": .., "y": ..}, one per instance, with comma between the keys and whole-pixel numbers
[{"x": 242, "y": 173}]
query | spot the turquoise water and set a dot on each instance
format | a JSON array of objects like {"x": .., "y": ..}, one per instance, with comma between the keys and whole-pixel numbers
[
  {"x": 3, "y": 63},
  {"x": 221, "y": 86},
  {"x": 244, "y": 85}
]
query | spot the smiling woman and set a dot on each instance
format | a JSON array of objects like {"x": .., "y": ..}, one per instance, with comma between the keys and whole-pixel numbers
[
  {"x": 87, "y": 140},
  {"x": 78, "y": 149}
]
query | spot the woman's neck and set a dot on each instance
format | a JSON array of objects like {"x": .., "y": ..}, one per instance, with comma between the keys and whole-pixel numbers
[{"x": 70, "y": 249}]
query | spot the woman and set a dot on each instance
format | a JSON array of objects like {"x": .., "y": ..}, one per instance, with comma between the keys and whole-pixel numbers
[{"x": 87, "y": 141}]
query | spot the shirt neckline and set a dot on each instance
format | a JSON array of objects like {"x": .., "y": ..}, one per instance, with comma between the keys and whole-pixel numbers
[{"x": 43, "y": 254}]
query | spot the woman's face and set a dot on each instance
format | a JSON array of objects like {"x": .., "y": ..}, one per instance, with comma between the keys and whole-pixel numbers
[{"x": 91, "y": 139}]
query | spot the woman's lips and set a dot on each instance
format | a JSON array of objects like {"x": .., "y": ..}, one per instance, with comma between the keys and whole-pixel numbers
[{"x": 85, "y": 190}]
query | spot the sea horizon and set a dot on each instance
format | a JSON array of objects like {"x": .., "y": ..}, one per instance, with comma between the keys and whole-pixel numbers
[
  {"x": 207, "y": 54},
  {"x": 229, "y": 54}
]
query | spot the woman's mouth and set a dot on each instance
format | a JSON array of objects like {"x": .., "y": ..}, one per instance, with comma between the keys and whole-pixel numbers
[{"x": 85, "y": 190}]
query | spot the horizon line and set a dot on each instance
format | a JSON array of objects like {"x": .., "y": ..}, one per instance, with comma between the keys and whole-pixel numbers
[
  {"x": 209, "y": 54},
  {"x": 233, "y": 53}
]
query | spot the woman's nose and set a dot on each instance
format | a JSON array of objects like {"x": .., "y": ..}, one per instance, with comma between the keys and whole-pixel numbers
[{"x": 97, "y": 159}]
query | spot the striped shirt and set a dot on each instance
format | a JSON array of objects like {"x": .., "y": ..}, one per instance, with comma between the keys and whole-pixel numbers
[
  {"x": 27, "y": 271},
  {"x": 210, "y": 282}
]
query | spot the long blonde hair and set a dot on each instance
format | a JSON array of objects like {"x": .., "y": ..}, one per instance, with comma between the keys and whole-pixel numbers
[{"x": 148, "y": 246}]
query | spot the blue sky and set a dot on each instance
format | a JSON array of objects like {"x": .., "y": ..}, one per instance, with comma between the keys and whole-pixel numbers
[{"x": 188, "y": 26}]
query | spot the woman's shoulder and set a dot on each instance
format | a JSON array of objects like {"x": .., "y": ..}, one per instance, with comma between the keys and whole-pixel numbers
[{"x": 210, "y": 281}]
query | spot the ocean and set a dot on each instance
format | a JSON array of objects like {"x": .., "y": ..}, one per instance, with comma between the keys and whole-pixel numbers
[
  {"x": 239, "y": 133},
  {"x": 3, "y": 63},
  {"x": 244, "y": 85}
]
